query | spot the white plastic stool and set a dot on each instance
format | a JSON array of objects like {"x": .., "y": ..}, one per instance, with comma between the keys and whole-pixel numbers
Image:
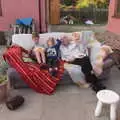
[{"x": 107, "y": 97}]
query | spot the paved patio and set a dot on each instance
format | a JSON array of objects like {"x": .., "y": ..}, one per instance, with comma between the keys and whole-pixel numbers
[
  {"x": 73, "y": 28},
  {"x": 68, "y": 102}
]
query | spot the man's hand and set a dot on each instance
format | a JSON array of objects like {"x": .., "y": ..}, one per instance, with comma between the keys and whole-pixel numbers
[{"x": 61, "y": 38}]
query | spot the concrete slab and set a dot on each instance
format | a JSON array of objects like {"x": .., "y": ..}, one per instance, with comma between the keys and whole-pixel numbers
[
  {"x": 31, "y": 110},
  {"x": 68, "y": 102},
  {"x": 73, "y": 28}
]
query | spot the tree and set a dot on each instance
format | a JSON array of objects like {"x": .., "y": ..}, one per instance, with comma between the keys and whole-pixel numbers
[
  {"x": 87, "y": 3},
  {"x": 68, "y": 2}
]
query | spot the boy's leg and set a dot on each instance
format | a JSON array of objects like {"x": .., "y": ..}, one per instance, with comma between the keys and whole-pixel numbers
[
  {"x": 55, "y": 64},
  {"x": 54, "y": 67},
  {"x": 38, "y": 56},
  {"x": 49, "y": 63},
  {"x": 43, "y": 56}
]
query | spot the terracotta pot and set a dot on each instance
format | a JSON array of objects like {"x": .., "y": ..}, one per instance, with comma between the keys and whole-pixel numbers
[{"x": 3, "y": 90}]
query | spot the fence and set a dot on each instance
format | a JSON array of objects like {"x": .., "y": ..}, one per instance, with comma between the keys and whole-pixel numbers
[{"x": 95, "y": 14}]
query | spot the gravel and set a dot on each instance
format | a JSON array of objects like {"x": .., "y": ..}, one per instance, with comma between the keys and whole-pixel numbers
[{"x": 110, "y": 39}]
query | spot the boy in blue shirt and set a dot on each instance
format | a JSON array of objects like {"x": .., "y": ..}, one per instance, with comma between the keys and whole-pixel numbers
[{"x": 52, "y": 55}]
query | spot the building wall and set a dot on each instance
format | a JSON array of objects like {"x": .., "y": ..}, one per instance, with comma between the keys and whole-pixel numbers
[
  {"x": 13, "y": 9},
  {"x": 113, "y": 23}
]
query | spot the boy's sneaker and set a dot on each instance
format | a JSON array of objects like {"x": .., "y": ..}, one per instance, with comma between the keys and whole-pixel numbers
[
  {"x": 43, "y": 66},
  {"x": 98, "y": 86},
  {"x": 53, "y": 73}
]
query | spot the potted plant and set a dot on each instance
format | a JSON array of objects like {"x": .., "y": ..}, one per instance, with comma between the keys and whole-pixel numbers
[{"x": 3, "y": 87}]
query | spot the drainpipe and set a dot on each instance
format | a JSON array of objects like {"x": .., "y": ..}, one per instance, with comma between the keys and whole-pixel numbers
[
  {"x": 39, "y": 5},
  {"x": 46, "y": 12}
]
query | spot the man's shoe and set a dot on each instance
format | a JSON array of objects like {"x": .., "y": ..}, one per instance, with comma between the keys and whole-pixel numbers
[{"x": 98, "y": 86}]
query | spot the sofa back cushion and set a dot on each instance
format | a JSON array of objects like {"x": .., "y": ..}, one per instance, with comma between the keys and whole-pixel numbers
[{"x": 25, "y": 40}]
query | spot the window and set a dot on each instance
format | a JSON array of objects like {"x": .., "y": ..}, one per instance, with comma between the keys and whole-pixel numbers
[
  {"x": 0, "y": 9},
  {"x": 117, "y": 8}
]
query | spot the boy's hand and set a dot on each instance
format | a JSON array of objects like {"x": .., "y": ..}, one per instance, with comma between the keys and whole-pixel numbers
[
  {"x": 29, "y": 51},
  {"x": 61, "y": 38}
]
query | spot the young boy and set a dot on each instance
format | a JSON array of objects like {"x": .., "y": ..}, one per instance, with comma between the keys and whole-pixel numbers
[
  {"x": 52, "y": 55},
  {"x": 38, "y": 49}
]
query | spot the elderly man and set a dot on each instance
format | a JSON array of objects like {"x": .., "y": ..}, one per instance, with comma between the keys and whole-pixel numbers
[{"x": 74, "y": 65}]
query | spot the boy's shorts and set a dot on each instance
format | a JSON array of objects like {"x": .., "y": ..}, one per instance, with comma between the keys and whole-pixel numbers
[
  {"x": 51, "y": 62},
  {"x": 38, "y": 49}
]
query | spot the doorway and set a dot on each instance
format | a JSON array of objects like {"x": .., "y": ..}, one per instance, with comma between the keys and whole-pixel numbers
[{"x": 54, "y": 12}]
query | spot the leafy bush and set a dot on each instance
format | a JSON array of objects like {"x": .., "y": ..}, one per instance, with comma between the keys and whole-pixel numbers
[
  {"x": 78, "y": 4},
  {"x": 3, "y": 67},
  {"x": 68, "y": 2},
  {"x": 3, "y": 78}
]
